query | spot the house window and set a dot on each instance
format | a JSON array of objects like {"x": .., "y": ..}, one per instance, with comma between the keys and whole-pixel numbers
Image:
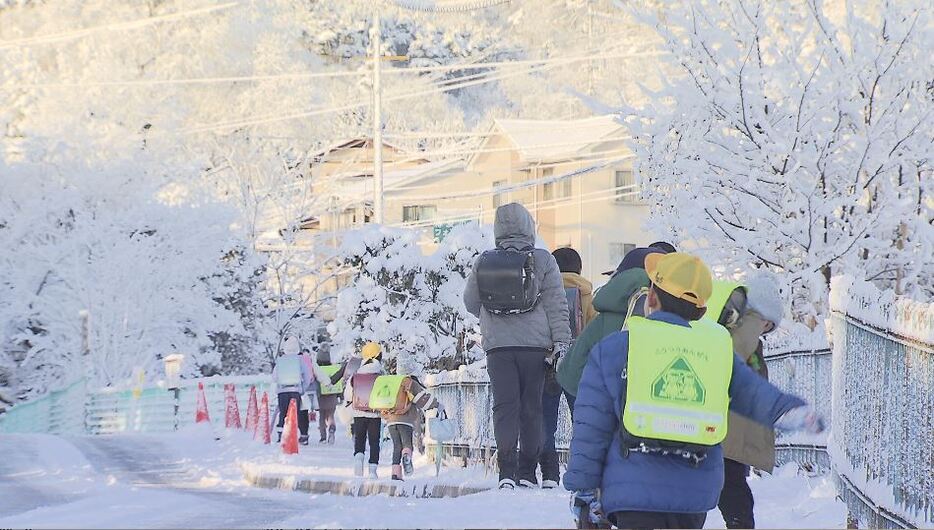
[
  {"x": 567, "y": 188},
  {"x": 625, "y": 185},
  {"x": 498, "y": 197},
  {"x": 422, "y": 212},
  {"x": 548, "y": 189},
  {"x": 618, "y": 251}
]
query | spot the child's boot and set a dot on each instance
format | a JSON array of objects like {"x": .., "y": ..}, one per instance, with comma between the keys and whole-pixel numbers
[
  {"x": 373, "y": 470},
  {"x": 358, "y": 465},
  {"x": 407, "y": 461},
  {"x": 396, "y": 472}
]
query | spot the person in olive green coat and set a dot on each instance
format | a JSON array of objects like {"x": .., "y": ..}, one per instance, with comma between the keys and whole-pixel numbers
[
  {"x": 748, "y": 311},
  {"x": 612, "y": 302}
]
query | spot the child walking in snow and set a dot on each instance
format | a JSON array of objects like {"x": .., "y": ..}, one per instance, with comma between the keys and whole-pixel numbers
[
  {"x": 328, "y": 398},
  {"x": 294, "y": 377},
  {"x": 367, "y": 425},
  {"x": 401, "y": 423}
]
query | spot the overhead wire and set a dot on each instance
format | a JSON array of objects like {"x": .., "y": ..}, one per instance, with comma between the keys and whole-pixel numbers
[
  {"x": 116, "y": 26},
  {"x": 299, "y": 76},
  {"x": 407, "y": 95}
]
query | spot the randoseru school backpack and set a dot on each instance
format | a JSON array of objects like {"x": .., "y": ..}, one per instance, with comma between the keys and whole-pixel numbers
[
  {"x": 390, "y": 394},
  {"x": 507, "y": 282},
  {"x": 362, "y": 385}
]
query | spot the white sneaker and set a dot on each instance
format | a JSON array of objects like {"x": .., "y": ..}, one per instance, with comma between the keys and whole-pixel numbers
[
  {"x": 523, "y": 483},
  {"x": 373, "y": 470},
  {"x": 507, "y": 484},
  {"x": 358, "y": 465},
  {"x": 549, "y": 484}
]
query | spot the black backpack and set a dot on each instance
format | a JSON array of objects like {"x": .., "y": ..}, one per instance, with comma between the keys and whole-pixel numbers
[{"x": 507, "y": 282}]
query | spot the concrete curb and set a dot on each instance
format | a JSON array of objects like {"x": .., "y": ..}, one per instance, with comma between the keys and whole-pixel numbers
[{"x": 357, "y": 488}]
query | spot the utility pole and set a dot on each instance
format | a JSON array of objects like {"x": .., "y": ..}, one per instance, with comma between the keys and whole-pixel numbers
[
  {"x": 590, "y": 66},
  {"x": 377, "y": 122}
]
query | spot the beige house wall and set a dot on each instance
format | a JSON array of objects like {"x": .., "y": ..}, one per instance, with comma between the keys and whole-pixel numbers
[{"x": 590, "y": 220}]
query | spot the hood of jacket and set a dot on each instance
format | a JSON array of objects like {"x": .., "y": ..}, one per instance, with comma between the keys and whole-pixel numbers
[
  {"x": 514, "y": 227},
  {"x": 614, "y": 296},
  {"x": 572, "y": 279}
]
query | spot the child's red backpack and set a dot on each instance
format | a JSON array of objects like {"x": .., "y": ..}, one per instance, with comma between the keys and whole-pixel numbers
[{"x": 362, "y": 385}]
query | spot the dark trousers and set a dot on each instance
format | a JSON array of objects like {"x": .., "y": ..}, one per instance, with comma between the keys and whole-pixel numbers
[
  {"x": 284, "y": 399},
  {"x": 551, "y": 404},
  {"x": 644, "y": 520},
  {"x": 517, "y": 378},
  {"x": 327, "y": 405},
  {"x": 401, "y": 439},
  {"x": 736, "y": 501},
  {"x": 326, "y": 422},
  {"x": 367, "y": 429}
]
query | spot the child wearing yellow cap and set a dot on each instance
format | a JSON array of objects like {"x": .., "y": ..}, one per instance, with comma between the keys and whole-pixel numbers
[
  {"x": 367, "y": 424},
  {"x": 652, "y": 405}
]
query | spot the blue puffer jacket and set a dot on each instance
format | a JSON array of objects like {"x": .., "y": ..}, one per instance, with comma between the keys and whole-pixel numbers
[{"x": 645, "y": 482}]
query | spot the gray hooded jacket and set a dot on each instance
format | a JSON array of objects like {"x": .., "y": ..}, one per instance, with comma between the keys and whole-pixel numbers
[{"x": 548, "y": 322}]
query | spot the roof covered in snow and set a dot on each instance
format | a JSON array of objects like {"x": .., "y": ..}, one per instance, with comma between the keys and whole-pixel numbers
[{"x": 555, "y": 140}]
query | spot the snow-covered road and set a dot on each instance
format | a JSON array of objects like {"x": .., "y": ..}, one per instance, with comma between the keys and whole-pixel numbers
[{"x": 190, "y": 480}]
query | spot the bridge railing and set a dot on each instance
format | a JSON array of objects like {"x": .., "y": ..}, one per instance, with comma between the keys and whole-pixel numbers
[
  {"x": 76, "y": 410},
  {"x": 57, "y": 412},
  {"x": 802, "y": 368},
  {"x": 882, "y": 446}
]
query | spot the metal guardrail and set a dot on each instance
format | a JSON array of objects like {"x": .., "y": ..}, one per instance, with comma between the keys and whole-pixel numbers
[
  {"x": 805, "y": 373},
  {"x": 58, "y": 412},
  {"x": 74, "y": 410},
  {"x": 883, "y": 443}
]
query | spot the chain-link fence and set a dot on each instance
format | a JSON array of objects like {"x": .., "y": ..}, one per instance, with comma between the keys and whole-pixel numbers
[{"x": 883, "y": 438}]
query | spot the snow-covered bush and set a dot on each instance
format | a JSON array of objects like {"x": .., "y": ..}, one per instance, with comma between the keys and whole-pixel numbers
[
  {"x": 153, "y": 278},
  {"x": 795, "y": 141},
  {"x": 408, "y": 302}
]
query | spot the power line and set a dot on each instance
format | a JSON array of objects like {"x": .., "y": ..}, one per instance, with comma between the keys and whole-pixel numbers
[
  {"x": 495, "y": 76},
  {"x": 361, "y": 103},
  {"x": 456, "y": 6},
  {"x": 315, "y": 75},
  {"x": 189, "y": 81},
  {"x": 68, "y": 35}
]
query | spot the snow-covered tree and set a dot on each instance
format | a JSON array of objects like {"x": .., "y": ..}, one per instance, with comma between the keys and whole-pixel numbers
[
  {"x": 150, "y": 275},
  {"x": 795, "y": 142},
  {"x": 408, "y": 302}
]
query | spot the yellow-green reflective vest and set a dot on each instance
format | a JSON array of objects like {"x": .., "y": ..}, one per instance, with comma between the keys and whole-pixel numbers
[
  {"x": 386, "y": 391},
  {"x": 722, "y": 290},
  {"x": 328, "y": 389},
  {"x": 678, "y": 381}
]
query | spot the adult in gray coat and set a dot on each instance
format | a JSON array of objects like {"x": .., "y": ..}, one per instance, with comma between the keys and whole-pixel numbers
[{"x": 518, "y": 346}]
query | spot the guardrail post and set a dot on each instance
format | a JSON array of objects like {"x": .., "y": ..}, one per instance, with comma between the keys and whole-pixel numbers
[{"x": 176, "y": 392}]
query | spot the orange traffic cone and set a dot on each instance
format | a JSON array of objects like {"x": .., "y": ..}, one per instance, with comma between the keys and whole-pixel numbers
[
  {"x": 290, "y": 435},
  {"x": 232, "y": 415},
  {"x": 201, "y": 413},
  {"x": 264, "y": 427},
  {"x": 252, "y": 412}
]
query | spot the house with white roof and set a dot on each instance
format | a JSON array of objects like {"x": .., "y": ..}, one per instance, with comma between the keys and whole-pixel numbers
[{"x": 574, "y": 176}]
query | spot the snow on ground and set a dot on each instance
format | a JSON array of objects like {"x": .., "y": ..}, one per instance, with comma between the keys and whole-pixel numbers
[{"x": 188, "y": 479}]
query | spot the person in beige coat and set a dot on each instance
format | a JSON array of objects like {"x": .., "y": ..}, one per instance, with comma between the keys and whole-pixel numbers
[{"x": 756, "y": 311}]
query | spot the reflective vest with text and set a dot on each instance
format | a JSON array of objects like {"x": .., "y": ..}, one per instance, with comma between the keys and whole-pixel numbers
[{"x": 678, "y": 381}]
